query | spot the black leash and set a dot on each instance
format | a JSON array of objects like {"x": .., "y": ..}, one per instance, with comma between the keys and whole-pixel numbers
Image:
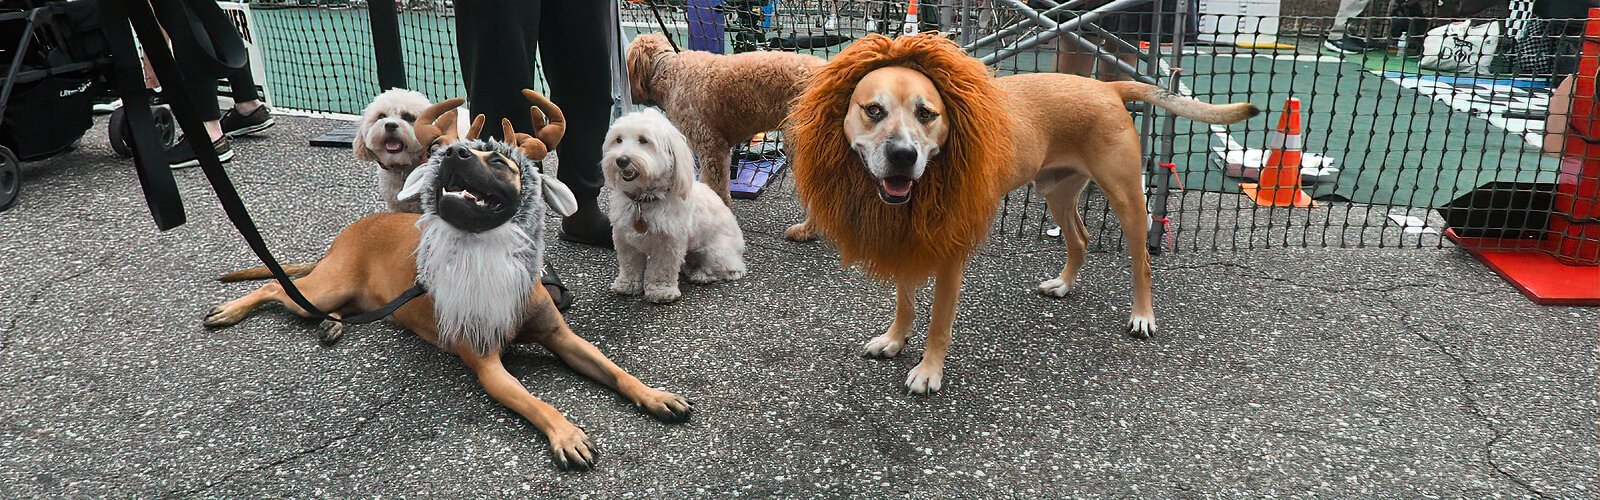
[
  {"x": 220, "y": 49},
  {"x": 663, "y": 25}
]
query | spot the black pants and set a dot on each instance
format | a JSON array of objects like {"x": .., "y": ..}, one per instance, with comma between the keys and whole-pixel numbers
[
  {"x": 203, "y": 87},
  {"x": 497, "y": 40}
]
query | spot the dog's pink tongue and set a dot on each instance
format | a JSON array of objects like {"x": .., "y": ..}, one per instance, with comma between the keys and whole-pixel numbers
[
  {"x": 897, "y": 186},
  {"x": 393, "y": 145}
]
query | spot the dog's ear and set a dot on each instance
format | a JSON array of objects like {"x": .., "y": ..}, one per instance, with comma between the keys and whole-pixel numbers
[
  {"x": 416, "y": 182},
  {"x": 360, "y": 142},
  {"x": 641, "y": 66},
  {"x": 683, "y": 168},
  {"x": 557, "y": 195}
]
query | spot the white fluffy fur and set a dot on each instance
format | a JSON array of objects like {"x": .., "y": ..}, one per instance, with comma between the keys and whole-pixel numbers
[
  {"x": 479, "y": 281},
  {"x": 688, "y": 228},
  {"x": 373, "y": 133}
]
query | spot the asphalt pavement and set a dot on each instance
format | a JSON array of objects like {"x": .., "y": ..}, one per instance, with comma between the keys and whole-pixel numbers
[{"x": 1282, "y": 372}]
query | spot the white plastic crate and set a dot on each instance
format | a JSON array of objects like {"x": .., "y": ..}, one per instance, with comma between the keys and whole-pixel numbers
[{"x": 1239, "y": 22}]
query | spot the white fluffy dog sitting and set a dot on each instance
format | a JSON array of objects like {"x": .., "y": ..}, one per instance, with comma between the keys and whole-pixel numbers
[
  {"x": 387, "y": 135},
  {"x": 662, "y": 221}
]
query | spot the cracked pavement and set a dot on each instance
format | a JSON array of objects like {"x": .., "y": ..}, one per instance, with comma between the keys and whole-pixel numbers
[{"x": 1328, "y": 372}]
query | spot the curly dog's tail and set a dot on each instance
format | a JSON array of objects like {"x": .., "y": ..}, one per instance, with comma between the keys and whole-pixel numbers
[
  {"x": 261, "y": 272},
  {"x": 1184, "y": 106}
]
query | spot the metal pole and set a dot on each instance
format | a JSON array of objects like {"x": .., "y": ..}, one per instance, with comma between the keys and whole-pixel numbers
[
  {"x": 386, "y": 52},
  {"x": 1066, "y": 29},
  {"x": 1147, "y": 123},
  {"x": 1013, "y": 29},
  {"x": 1158, "y": 232}
]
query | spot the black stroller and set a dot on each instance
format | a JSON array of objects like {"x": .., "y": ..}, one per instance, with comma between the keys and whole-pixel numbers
[{"x": 54, "y": 57}]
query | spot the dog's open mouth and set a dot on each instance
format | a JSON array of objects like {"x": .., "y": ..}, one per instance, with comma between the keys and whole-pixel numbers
[
  {"x": 394, "y": 145},
  {"x": 895, "y": 190},
  {"x": 488, "y": 202},
  {"x": 628, "y": 174}
]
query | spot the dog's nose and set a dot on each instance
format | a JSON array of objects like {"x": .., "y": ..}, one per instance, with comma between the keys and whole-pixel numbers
[
  {"x": 463, "y": 153},
  {"x": 900, "y": 156},
  {"x": 391, "y": 126},
  {"x": 624, "y": 162}
]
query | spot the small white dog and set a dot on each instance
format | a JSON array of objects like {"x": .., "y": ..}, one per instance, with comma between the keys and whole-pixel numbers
[
  {"x": 387, "y": 135},
  {"x": 662, "y": 221}
]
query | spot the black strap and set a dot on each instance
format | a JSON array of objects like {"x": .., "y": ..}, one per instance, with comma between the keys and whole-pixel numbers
[
  {"x": 387, "y": 309},
  {"x": 148, "y": 153},
  {"x": 654, "y": 9}
]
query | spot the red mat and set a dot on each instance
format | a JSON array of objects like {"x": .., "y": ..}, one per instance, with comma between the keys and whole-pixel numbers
[{"x": 1541, "y": 277}]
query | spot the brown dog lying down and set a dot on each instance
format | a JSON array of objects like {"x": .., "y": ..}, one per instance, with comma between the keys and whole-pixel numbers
[
  {"x": 903, "y": 149},
  {"x": 478, "y": 248},
  {"x": 717, "y": 101}
]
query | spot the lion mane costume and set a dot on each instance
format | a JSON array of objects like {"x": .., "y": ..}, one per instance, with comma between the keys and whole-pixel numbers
[{"x": 956, "y": 197}]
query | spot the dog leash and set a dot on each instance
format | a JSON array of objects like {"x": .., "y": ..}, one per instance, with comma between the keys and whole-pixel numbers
[
  {"x": 663, "y": 24},
  {"x": 224, "y": 49}
]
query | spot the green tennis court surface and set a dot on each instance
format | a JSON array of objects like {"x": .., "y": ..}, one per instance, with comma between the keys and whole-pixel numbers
[{"x": 1394, "y": 145}]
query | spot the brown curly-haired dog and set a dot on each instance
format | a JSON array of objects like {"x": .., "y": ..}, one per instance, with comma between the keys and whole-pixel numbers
[
  {"x": 718, "y": 101},
  {"x": 903, "y": 148}
]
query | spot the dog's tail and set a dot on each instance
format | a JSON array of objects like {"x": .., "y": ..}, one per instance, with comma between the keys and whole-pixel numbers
[
  {"x": 1184, "y": 106},
  {"x": 261, "y": 272}
]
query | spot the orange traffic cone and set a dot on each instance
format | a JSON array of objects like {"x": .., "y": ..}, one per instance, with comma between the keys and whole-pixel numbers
[{"x": 1279, "y": 184}]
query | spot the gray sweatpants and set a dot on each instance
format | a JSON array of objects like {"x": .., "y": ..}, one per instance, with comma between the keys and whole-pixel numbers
[{"x": 1347, "y": 10}]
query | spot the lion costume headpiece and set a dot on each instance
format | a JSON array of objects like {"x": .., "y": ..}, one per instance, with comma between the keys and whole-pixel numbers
[{"x": 959, "y": 192}]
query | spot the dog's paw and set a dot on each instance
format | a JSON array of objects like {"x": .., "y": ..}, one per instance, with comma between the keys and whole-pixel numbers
[
  {"x": 662, "y": 295},
  {"x": 701, "y": 276},
  {"x": 800, "y": 232},
  {"x": 1141, "y": 326},
  {"x": 882, "y": 346},
  {"x": 621, "y": 287},
  {"x": 572, "y": 449},
  {"x": 925, "y": 378},
  {"x": 667, "y": 407},
  {"x": 332, "y": 331},
  {"x": 1054, "y": 287},
  {"x": 734, "y": 274},
  {"x": 224, "y": 315}
]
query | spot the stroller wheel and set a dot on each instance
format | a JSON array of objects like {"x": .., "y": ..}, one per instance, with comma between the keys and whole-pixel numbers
[
  {"x": 117, "y": 133},
  {"x": 121, "y": 133},
  {"x": 10, "y": 178}
]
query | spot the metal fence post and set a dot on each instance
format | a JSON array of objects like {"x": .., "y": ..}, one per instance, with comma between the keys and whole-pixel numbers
[
  {"x": 385, "y": 19},
  {"x": 1168, "y": 137}
]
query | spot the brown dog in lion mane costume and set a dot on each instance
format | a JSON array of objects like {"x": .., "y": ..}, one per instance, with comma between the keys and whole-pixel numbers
[
  {"x": 903, "y": 148},
  {"x": 959, "y": 190}
]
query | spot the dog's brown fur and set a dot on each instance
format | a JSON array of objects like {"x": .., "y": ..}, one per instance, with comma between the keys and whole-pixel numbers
[
  {"x": 718, "y": 101},
  {"x": 1068, "y": 130},
  {"x": 955, "y": 199},
  {"x": 374, "y": 260}
]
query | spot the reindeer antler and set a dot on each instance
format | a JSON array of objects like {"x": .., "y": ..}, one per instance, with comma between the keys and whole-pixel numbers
[
  {"x": 476, "y": 130},
  {"x": 438, "y": 120},
  {"x": 549, "y": 125}
]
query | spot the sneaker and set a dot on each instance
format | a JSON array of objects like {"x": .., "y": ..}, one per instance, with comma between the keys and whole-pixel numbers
[
  {"x": 235, "y": 124},
  {"x": 1346, "y": 45},
  {"x": 106, "y": 104},
  {"x": 181, "y": 155}
]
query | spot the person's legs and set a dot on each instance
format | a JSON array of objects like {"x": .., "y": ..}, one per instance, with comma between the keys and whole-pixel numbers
[
  {"x": 203, "y": 96},
  {"x": 573, "y": 49},
  {"x": 1341, "y": 18},
  {"x": 496, "y": 41},
  {"x": 248, "y": 114}
]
